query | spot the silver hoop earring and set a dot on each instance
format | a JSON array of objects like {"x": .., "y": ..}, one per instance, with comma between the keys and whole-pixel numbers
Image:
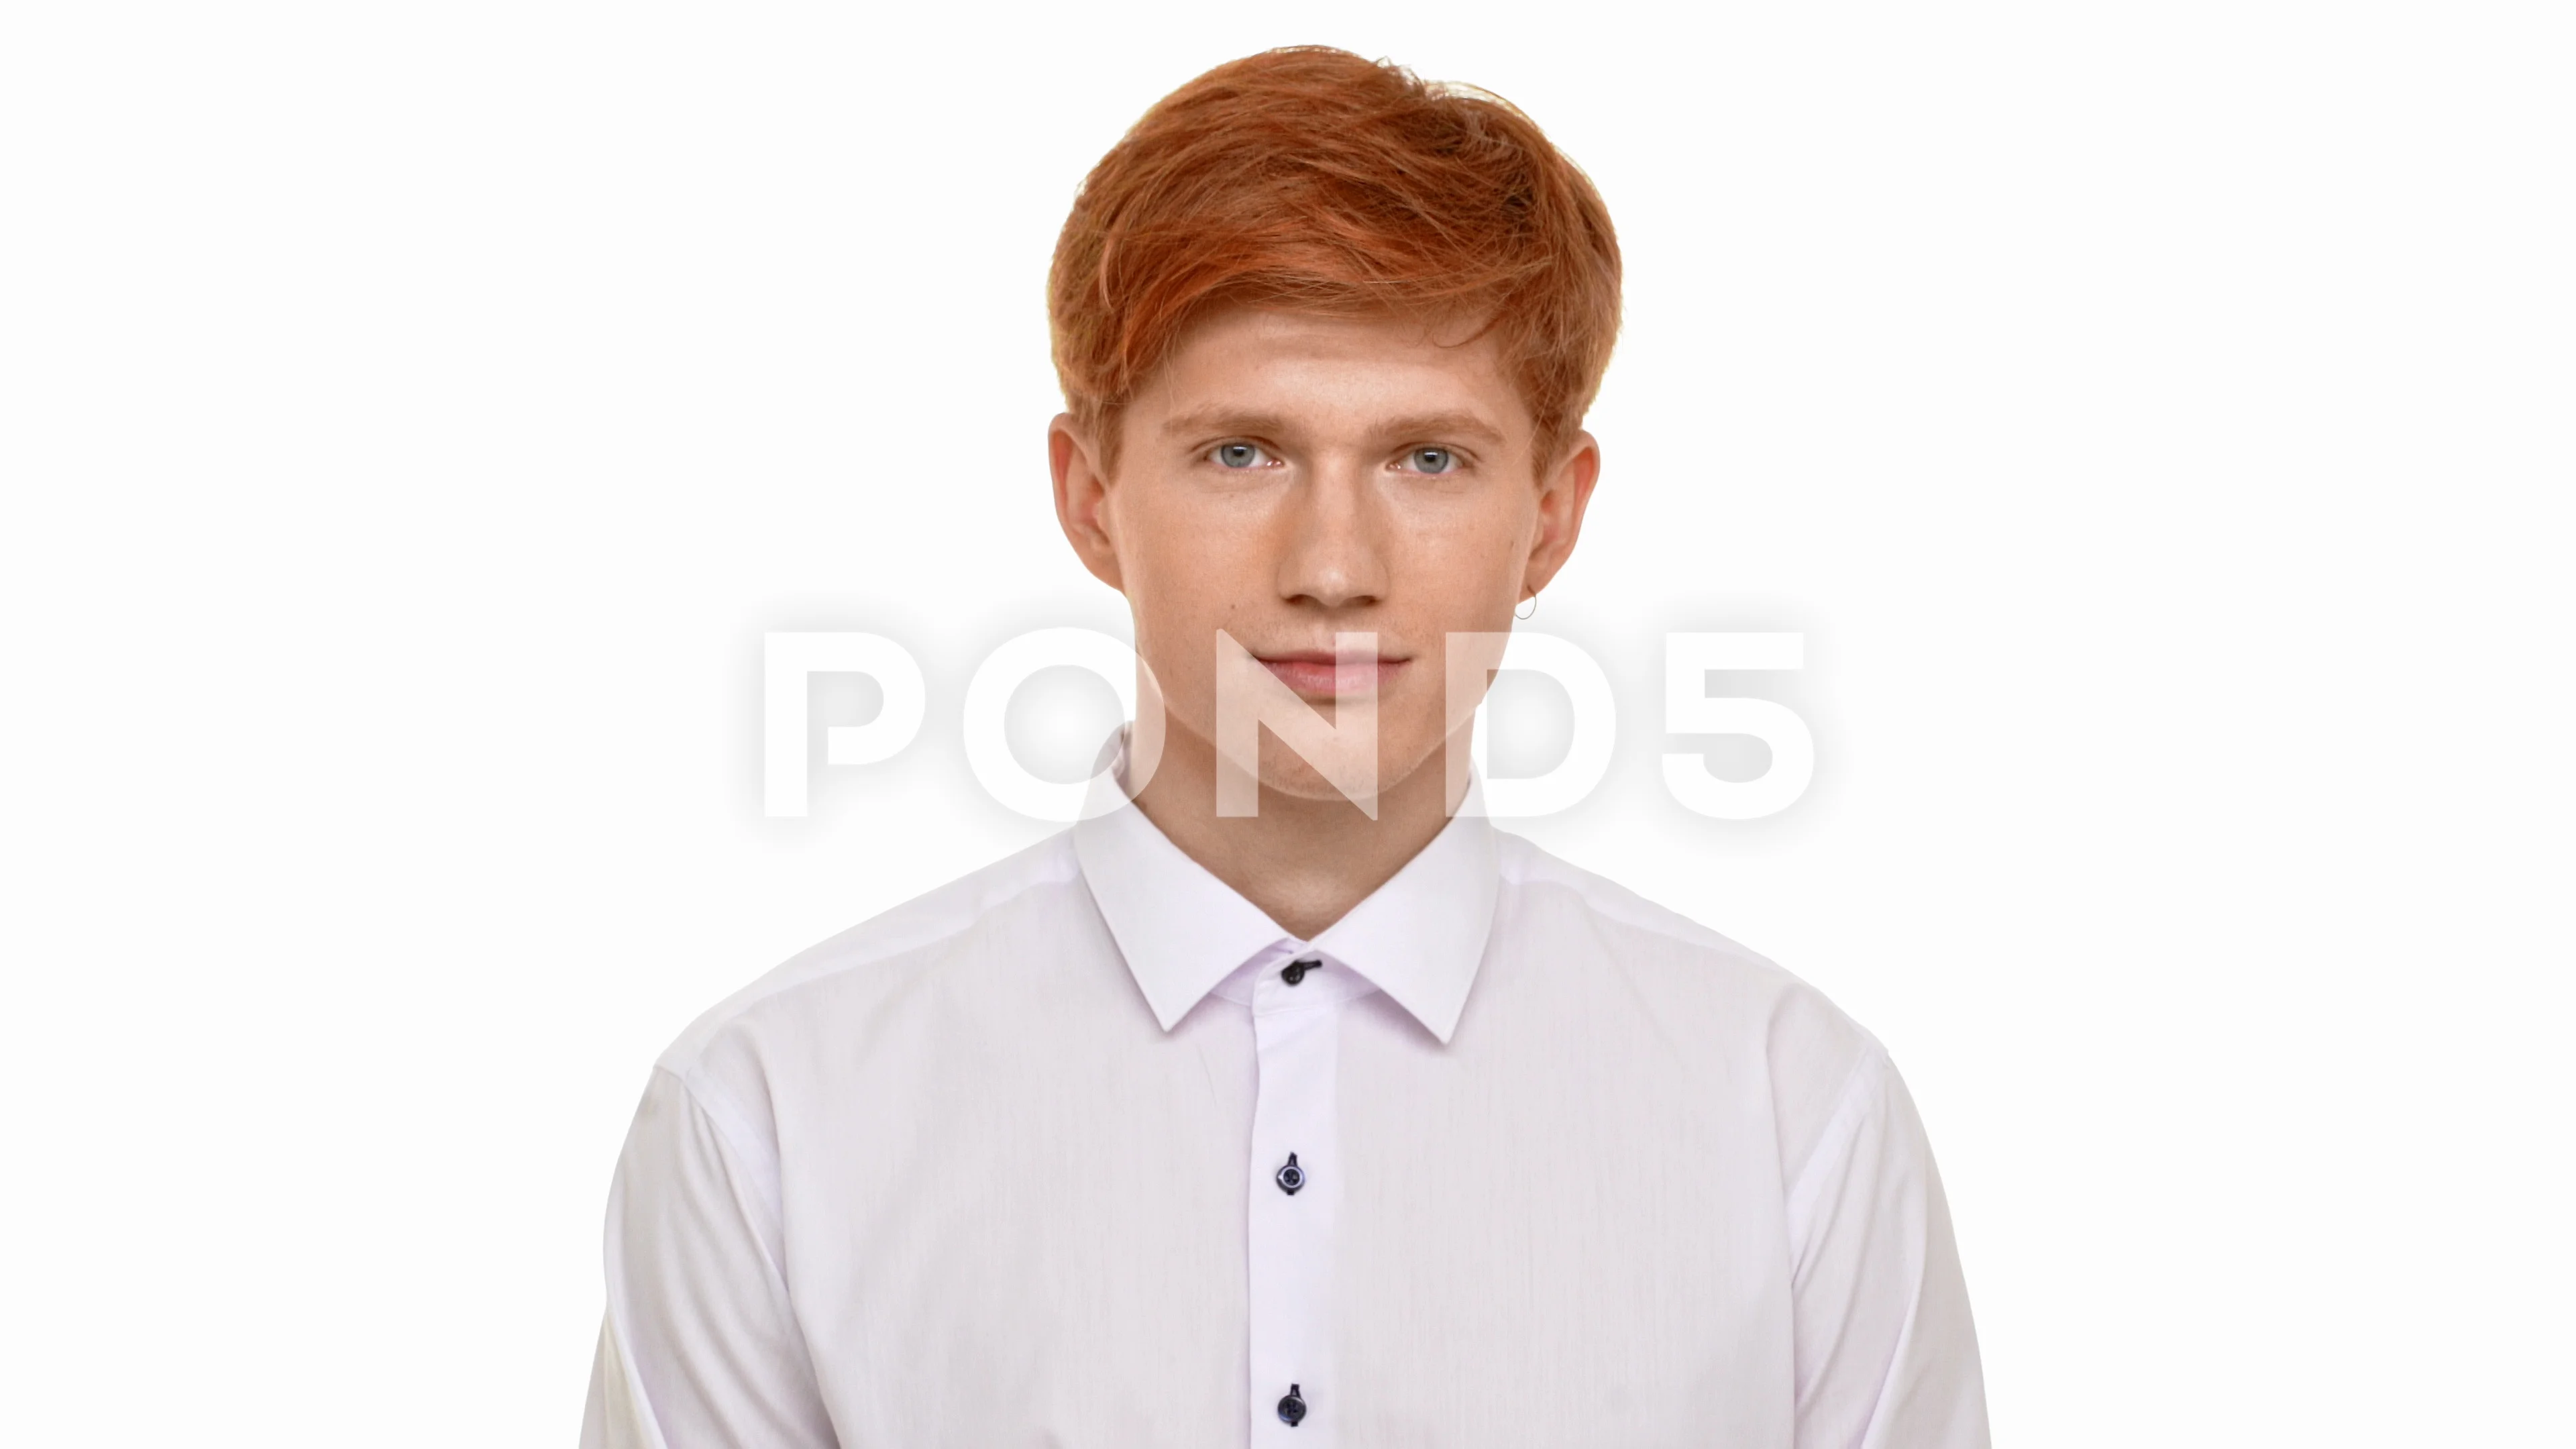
[{"x": 1532, "y": 601}]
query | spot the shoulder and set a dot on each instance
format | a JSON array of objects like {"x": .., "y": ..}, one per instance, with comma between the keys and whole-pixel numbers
[
  {"x": 874, "y": 958},
  {"x": 1550, "y": 885},
  {"x": 1813, "y": 1052}
]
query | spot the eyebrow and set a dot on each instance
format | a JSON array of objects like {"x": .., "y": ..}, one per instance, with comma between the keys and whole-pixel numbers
[
  {"x": 1204, "y": 422},
  {"x": 1223, "y": 420}
]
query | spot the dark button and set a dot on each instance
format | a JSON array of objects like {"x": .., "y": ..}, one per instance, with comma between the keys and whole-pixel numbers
[
  {"x": 1296, "y": 971},
  {"x": 1291, "y": 1177},
  {"x": 1291, "y": 1408}
]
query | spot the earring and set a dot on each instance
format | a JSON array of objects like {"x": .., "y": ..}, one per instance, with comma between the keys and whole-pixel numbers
[{"x": 1532, "y": 601}]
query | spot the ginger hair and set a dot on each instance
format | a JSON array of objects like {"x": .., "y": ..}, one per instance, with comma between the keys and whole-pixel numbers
[{"x": 1309, "y": 179}]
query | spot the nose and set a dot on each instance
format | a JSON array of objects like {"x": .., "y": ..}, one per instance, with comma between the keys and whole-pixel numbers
[{"x": 1335, "y": 555}]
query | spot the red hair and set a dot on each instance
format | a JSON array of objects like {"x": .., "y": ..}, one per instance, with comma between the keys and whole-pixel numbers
[{"x": 1313, "y": 180}]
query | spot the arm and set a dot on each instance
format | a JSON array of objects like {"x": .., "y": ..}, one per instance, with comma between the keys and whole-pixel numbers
[
  {"x": 699, "y": 1346},
  {"x": 1886, "y": 1351}
]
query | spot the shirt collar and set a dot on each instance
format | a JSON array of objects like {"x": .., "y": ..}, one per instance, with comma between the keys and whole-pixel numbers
[{"x": 1419, "y": 937}]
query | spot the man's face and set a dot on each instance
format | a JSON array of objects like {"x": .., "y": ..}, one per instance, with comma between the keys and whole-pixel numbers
[{"x": 1287, "y": 477}]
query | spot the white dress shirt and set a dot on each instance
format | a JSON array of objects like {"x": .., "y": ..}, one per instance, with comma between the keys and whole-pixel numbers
[{"x": 1004, "y": 1167}]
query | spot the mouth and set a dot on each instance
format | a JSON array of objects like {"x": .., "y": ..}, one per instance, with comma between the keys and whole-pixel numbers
[{"x": 1316, "y": 674}]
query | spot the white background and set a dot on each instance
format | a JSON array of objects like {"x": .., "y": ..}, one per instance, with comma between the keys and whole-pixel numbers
[{"x": 2157, "y": 419}]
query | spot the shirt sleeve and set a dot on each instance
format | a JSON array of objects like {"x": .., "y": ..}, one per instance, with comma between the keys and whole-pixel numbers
[
  {"x": 1886, "y": 1351},
  {"x": 699, "y": 1346}
]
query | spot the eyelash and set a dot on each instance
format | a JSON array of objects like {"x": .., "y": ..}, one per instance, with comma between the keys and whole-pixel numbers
[{"x": 1458, "y": 461}]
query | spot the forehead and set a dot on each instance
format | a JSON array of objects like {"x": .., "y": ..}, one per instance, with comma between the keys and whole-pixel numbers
[{"x": 1332, "y": 369}]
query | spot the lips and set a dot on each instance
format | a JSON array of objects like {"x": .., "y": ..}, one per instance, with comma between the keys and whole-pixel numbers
[{"x": 1314, "y": 675}]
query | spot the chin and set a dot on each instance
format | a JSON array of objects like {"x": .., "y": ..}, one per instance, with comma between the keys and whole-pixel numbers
[{"x": 1284, "y": 772}]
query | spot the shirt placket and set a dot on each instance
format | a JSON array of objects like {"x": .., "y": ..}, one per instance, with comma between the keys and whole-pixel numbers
[{"x": 1296, "y": 1186}]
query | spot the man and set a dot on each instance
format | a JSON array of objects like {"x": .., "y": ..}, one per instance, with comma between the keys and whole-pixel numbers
[{"x": 1290, "y": 1103}]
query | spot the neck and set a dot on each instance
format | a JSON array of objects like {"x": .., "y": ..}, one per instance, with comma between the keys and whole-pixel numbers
[{"x": 1305, "y": 862}]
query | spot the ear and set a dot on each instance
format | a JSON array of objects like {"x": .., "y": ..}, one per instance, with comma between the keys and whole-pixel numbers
[
  {"x": 1563, "y": 492},
  {"x": 1081, "y": 499}
]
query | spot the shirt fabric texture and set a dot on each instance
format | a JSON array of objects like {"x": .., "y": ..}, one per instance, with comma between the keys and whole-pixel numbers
[{"x": 1003, "y": 1166}]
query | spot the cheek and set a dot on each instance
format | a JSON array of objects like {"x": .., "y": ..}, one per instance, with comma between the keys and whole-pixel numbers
[
  {"x": 1180, "y": 585},
  {"x": 1461, "y": 566},
  {"x": 1183, "y": 586},
  {"x": 1194, "y": 562}
]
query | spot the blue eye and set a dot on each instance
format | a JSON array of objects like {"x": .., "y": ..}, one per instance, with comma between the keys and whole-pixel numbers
[
  {"x": 1432, "y": 460},
  {"x": 1236, "y": 455}
]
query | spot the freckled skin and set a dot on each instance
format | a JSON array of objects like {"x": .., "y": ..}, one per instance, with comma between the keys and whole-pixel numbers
[{"x": 1283, "y": 477}]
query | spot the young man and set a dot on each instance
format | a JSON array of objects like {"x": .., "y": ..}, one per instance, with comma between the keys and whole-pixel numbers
[{"x": 1291, "y": 1103}]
